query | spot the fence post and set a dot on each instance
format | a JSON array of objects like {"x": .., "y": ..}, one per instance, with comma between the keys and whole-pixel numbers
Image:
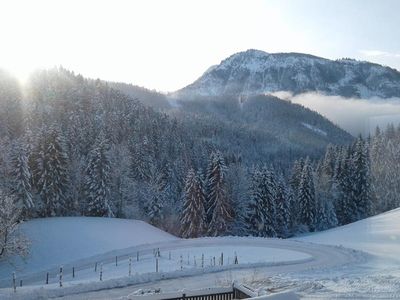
[
  {"x": 158, "y": 252},
  {"x": 156, "y": 264},
  {"x": 181, "y": 260},
  {"x": 202, "y": 260},
  {"x": 101, "y": 271},
  {"x": 130, "y": 266},
  {"x": 14, "y": 282},
  {"x": 61, "y": 275},
  {"x": 116, "y": 261},
  {"x": 194, "y": 261},
  {"x": 137, "y": 256},
  {"x": 169, "y": 255},
  {"x": 214, "y": 261},
  {"x": 236, "y": 259},
  {"x": 47, "y": 278},
  {"x": 188, "y": 259},
  {"x": 95, "y": 267},
  {"x": 222, "y": 258},
  {"x": 73, "y": 272}
]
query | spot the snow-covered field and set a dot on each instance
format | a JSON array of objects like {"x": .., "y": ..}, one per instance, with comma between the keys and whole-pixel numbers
[
  {"x": 378, "y": 277},
  {"x": 378, "y": 235},
  {"x": 303, "y": 265},
  {"x": 57, "y": 241}
]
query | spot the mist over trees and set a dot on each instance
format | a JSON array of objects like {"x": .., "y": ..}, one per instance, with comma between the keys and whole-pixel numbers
[{"x": 74, "y": 146}]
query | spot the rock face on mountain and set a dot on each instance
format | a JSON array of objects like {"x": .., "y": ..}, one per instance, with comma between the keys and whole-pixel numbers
[{"x": 255, "y": 72}]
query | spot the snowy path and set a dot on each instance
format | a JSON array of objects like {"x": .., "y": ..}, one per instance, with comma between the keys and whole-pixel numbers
[{"x": 277, "y": 257}]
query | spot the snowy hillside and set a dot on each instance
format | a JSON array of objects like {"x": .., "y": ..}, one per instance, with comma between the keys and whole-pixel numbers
[
  {"x": 257, "y": 72},
  {"x": 378, "y": 235},
  {"x": 57, "y": 241}
]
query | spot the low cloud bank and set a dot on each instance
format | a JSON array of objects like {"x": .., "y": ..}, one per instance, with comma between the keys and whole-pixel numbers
[{"x": 357, "y": 116}]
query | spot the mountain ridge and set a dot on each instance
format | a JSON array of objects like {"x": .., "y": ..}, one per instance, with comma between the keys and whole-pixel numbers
[{"x": 255, "y": 72}]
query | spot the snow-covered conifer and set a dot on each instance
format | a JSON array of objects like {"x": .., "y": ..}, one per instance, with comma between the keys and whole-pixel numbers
[
  {"x": 193, "y": 214},
  {"x": 261, "y": 212},
  {"x": 219, "y": 205},
  {"x": 345, "y": 205},
  {"x": 361, "y": 180},
  {"x": 22, "y": 178},
  {"x": 52, "y": 177},
  {"x": 283, "y": 213},
  {"x": 97, "y": 180},
  {"x": 306, "y": 197}
]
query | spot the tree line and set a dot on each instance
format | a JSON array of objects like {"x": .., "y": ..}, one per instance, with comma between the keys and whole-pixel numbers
[{"x": 347, "y": 184}]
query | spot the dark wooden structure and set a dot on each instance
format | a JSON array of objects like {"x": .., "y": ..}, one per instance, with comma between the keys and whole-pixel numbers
[{"x": 236, "y": 292}]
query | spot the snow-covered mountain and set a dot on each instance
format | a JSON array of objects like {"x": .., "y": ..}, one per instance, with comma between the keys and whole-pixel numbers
[{"x": 257, "y": 72}]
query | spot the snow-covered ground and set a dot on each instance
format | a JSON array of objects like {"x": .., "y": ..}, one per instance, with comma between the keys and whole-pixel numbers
[
  {"x": 318, "y": 265},
  {"x": 378, "y": 235},
  {"x": 270, "y": 255},
  {"x": 59, "y": 241},
  {"x": 377, "y": 278}
]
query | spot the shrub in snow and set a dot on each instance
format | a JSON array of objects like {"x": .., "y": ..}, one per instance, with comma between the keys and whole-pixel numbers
[{"x": 11, "y": 241}]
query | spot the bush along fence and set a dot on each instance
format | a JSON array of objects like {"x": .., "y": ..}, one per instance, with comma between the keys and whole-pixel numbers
[{"x": 127, "y": 263}]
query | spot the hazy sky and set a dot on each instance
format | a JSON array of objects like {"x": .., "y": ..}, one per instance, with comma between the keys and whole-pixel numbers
[{"x": 167, "y": 44}]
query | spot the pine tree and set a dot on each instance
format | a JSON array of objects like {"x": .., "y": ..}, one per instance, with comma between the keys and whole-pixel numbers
[
  {"x": 141, "y": 156},
  {"x": 295, "y": 177},
  {"x": 97, "y": 180},
  {"x": 329, "y": 162},
  {"x": 325, "y": 191},
  {"x": 238, "y": 191},
  {"x": 380, "y": 165},
  {"x": 255, "y": 218},
  {"x": 154, "y": 206},
  {"x": 392, "y": 174},
  {"x": 294, "y": 183},
  {"x": 385, "y": 172},
  {"x": 261, "y": 212},
  {"x": 52, "y": 173},
  {"x": 283, "y": 215},
  {"x": 306, "y": 197},
  {"x": 22, "y": 177},
  {"x": 345, "y": 205},
  {"x": 361, "y": 180},
  {"x": 219, "y": 208},
  {"x": 193, "y": 214},
  {"x": 269, "y": 195},
  {"x": 326, "y": 215}
]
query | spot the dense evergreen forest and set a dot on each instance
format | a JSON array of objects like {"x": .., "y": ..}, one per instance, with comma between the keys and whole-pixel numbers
[{"x": 74, "y": 146}]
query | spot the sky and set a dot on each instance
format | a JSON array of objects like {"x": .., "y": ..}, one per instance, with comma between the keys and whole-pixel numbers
[{"x": 167, "y": 44}]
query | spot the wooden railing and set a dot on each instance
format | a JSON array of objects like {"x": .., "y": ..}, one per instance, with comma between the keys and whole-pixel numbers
[
  {"x": 215, "y": 296},
  {"x": 236, "y": 291}
]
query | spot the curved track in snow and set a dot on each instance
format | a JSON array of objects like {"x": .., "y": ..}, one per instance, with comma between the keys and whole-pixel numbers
[{"x": 318, "y": 257}]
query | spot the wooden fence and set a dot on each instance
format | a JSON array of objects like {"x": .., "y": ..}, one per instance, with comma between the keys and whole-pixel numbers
[{"x": 236, "y": 291}]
